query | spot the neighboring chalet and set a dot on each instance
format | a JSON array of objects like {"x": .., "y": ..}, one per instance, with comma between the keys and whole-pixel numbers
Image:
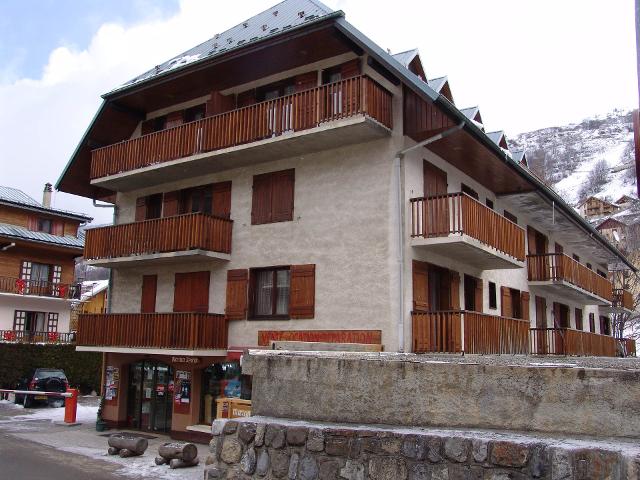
[
  {"x": 38, "y": 247},
  {"x": 592, "y": 207},
  {"x": 290, "y": 181}
]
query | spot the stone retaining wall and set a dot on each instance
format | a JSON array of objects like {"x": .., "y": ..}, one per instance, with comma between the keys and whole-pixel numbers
[{"x": 259, "y": 448}]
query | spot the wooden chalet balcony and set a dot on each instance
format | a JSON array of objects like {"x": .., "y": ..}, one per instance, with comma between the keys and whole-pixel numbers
[
  {"x": 629, "y": 347},
  {"x": 622, "y": 302},
  {"x": 39, "y": 288},
  {"x": 22, "y": 336},
  {"x": 191, "y": 236},
  {"x": 557, "y": 273},
  {"x": 566, "y": 341},
  {"x": 470, "y": 332},
  {"x": 458, "y": 226},
  {"x": 170, "y": 331},
  {"x": 350, "y": 111}
]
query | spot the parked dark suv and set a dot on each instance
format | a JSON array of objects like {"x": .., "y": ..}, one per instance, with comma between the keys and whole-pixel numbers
[{"x": 44, "y": 380}]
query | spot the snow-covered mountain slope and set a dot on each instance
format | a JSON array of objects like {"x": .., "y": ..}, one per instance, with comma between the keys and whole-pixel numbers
[{"x": 586, "y": 158}]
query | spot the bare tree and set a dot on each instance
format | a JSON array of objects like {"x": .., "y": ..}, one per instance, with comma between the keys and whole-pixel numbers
[{"x": 597, "y": 178}]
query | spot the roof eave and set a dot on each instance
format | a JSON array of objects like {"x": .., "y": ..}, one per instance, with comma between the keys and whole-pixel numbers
[{"x": 73, "y": 216}]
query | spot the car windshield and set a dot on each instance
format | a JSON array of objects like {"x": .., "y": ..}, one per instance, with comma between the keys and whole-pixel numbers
[{"x": 47, "y": 373}]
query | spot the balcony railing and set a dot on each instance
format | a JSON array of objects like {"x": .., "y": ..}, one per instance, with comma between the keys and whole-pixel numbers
[
  {"x": 161, "y": 235},
  {"x": 185, "y": 331},
  {"x": 458, "y": 213},
  {"x": 559, "y": 267},
  {"x": 299, "y": 111},
  {"x": 622, "y": 299},
  {"x": 566, "y": 341},
  {"x": 629, "y": 345},
  {"x": 471, "y": 332},
  {"x": 22, "y": 336},
  {"x": 41, "y": 288}
]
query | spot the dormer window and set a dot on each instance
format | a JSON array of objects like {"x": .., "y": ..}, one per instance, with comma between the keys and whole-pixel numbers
[{"x": 44, "y": 225}]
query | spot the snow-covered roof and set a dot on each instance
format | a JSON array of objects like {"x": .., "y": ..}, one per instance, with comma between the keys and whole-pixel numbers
[
  {"x": 470, "y": 112},
  {"x": 21, "y": 233},
  {"x": 496, "y": 137},
  {"x": 15, "y": 197},
  {"x": 91, "y": 288},
  {"x": 275, "y": 20},
  {"x": 438, "y": 83},
  {"x": 520, "y": 156},
  {"x": 405, "y": 58}
]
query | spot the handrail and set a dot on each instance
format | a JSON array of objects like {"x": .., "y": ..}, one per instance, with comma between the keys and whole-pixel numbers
[
  {"x": 168, "y": 234},
  {"x": 458, "y": 213},
  {"x": 567, "y": 341},
  {"x": 298, "y": 111},
  {"x": 26, "y": 336},
  {"x": 41, "y": 288},
  {"x": 153, "y": 330},
  {"x": 622, "y": 298},
  {"x": 560, "y": 267}
]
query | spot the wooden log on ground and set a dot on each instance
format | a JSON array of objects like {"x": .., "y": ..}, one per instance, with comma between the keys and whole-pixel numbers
[
  {"x": 161, "y": 460},
  {"x": 113, "y": 451},
  {"x": 176, "y": 450},
  {"x": 179, "y": 463},
  {"x": 135, "y": 444},
  {"x": 125, "y": 452}
]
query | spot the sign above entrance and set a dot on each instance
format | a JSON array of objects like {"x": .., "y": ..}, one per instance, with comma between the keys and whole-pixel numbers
[{"x": 190, "y": 360}]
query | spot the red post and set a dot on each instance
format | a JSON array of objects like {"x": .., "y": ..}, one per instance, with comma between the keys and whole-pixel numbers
[{"x": 71, "y": 406}]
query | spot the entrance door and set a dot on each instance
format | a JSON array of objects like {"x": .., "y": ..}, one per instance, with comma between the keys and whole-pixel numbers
[
  {"x": 149, "y": 401},
  {"x": 436, "y": 215},
  {"x": 472, "y": 293},
  {"x": 541, "y": 346},
  {"x": 560, "y": 321}
]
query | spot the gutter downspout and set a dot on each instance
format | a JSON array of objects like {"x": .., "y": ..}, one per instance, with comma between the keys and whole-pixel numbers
[
  {"x": 398, "y": 166},
  {"x": 7, "y": 247}
]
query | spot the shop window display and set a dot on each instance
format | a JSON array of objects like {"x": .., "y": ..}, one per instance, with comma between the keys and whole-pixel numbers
[{"x": 222, "y": 381}]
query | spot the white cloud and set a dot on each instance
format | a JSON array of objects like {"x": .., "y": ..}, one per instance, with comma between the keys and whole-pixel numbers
[{"x": 528, "y": 64}]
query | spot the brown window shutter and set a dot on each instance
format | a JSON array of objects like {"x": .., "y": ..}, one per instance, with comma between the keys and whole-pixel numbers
[
  {"x": 350, "y": 68},
  {"x": 146, "y": 127},
  {"x": 478, "y": 296},
  {"x": 149, "y": 289},
  {"x": 32, "y": 224},
  {"x": 222, "y": 199},
  {"x": 524, "y": 305},
  {"x": 261, "y": 201},
  {"x": 247, "y": 98},
  {"x": 531, "y": 240},
  {"x": 58, "y": 228},
  {"x": 420, "y": 272},
  {"x": 455, "y": 290},
  {"x": 191, "y": 292},
  {"x": 141, "y": 209},
  {"x": 219, "y": 103},
  {"x": 170, "y": 203},
  {"x": 305, "y": 81},
  {"x": 302, "y": 291},
  {"x": 237, "y": 285},
  {"x": 282, "y": 196},
  {"x": 505, "y": 307},
  {"x": 175, "y": 119}
]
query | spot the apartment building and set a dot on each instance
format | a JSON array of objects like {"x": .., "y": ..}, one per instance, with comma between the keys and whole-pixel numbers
[
  {"x": 289, "y": 180},
  {"x": 38, "y": 247}
]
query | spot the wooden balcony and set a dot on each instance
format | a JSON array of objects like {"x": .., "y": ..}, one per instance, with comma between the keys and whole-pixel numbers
[
  {"x": 459, "y": 227},
  {"x": 469, "y": 332},
  {"x": 558, "y": 274},
  {"x": 39, "y": 288},
  {"x": 22, "y": 336},
  {"x": 166, "y": 331},
  {"x": 194, "y": 236},
  {"x": 622, "y": 302},
  {"x": 566, "y": 341},
  {"x": 629, "y": 345},
  {"x": 350, "y": 111}
]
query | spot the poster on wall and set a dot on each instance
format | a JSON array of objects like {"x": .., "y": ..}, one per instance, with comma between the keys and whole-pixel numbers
[
  {"x": 112, "y": 378},
  {"x": 182, "y": 388}
]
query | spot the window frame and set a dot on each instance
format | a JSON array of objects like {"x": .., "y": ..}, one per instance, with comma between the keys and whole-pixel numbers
[
  {"x": 493, "y": 296},
  {"x": 39, "y": 225},
  {"x": 253, "y": 278},
  {"x": 510, "y": 216}
]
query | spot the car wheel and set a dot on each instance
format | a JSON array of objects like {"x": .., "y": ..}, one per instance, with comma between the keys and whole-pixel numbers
[{"x": 56, "y": 402}]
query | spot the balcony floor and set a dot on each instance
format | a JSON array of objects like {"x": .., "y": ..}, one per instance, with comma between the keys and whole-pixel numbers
[
  {"x": 468, "y": 250},
  {"x": 569, "y": 291},
  {"x": 328, "y": 135},
  {"x": 155, "y": 351},
  {"x": 611, "y": 309},
  {"x": 161, "y": 258}
]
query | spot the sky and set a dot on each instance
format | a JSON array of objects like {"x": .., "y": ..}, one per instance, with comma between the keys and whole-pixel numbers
[{"x": 528, "y": 64}]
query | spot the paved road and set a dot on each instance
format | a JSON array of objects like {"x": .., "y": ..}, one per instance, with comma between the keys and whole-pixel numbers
[{"x": 21, "y": 459}]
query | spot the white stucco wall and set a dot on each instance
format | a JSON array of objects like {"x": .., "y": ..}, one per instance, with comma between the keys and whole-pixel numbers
[{"x": 10, "y": 303}]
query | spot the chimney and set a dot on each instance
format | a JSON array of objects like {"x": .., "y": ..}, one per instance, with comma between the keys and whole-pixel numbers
[{"x": 46, "y": 195}]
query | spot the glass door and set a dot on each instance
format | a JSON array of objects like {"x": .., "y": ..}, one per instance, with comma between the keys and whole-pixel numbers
[
  {"x": 149, "y": 404},
  {"x": 162, "y": 399}
]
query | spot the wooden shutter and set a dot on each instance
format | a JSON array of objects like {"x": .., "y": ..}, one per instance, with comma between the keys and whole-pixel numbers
[
  {"x": 222, "y": 199},
  {"x": 306, "y": 81},
  {"x": 141, "y": 209},
  {"x": 147, "y": 127},
  {"x": 57, "y": 227},
  {"x": 174, "y": 119},
  {"x": 531, "y": 240},
  {"x": 282, "y": 195},
  {"x": 32, "y": 224},
  {"x": 302, "y": 291},
  {"x": 350, "y": 68},
  {"x": 261, "y": 201},
  {"x": 557, "y": 322},
  {"x": 541, "y": 312},
  {"x": 191, "y": 292},
  {"x": 524, "y": 305},
  {"x": 237, "y": 285},
  {"x": 247, "y": 98},
  {"x": 170, "y": 203},
  {"x": 420, "y": 273},
  {"x": 435, "y": 180},
  {"x": 478, "y": 300},
  {"x": 219, "y": 103},
  {"x": 149, "y": 290},
  {"x": 506, "y": 308},
  {"x": 455, "y": 290}
]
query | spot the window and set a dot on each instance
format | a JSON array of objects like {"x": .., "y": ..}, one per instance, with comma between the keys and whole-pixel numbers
[
  {"x": 493, "y": 299},
  {"x": 45, "y": 225},
  {"x": 19, "y": 319},
  {"x": 579, "y": 325},
  {"x": 592, "y": 323},
  {"x": 510, "y": 216},
  {"x": 198, "y": 199},
  {"x": 469, "y": 191},
  {"x": 558, "y": 248},
  {"x": 270, "y": 292},
  {"x": 489, "y": 203},
  {"x": 589, "y": 266},
  {"x": 605, "y": 325},
  {"x": 52, "y": 323},
  {"x": 194, "y": 113},
  {"x": 576, "y": 257},
  {"x": 602, "y": 274},
  {"x": 273, "y": 195}
]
